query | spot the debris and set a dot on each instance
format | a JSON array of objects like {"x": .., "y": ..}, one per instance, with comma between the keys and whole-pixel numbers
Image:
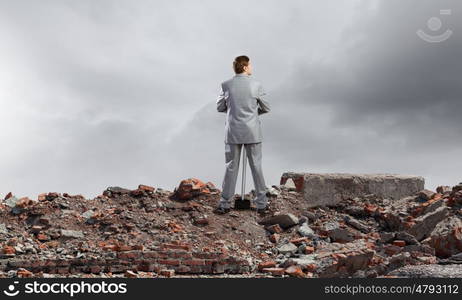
[
  {"x": 446, "y": 238},
  {"x": 149, "y": 231},
  {"x": 295, "y": 271},
  {"x": 190, "y": 188},
  {"x": 284, "y": 220},
  {"x": 290, "y": 184},
  {"x": 287, "y": 248},
  {"x": 72, "y": 233},
  {"x": 306, "y": 231}
]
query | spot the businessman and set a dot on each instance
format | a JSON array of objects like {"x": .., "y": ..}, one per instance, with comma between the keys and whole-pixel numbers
[{"x": 243, "y": 99}]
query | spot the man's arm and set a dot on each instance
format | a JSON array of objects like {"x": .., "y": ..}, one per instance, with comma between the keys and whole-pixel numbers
[
  {"x": 221, "y": 101},
  {"x": 263, "y": 104}
]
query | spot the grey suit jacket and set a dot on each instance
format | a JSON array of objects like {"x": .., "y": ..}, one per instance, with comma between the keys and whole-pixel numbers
[{"x": 243, "y": 99}]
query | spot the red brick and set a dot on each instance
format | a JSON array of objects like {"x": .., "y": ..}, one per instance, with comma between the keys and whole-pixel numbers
[
  {"x": 129, "y": 254},
  {"x": 274, "y": 238},
  {"x": 8, "y": 250},
  {"x": 167, "y": 273},
  {"x": 124, "y": 248},
  {"x": 180, "y": 254},
  {"x": 194, "y": 262},
  {"x": 146, "y": 188},
  {"x": 42, "y": 237},
  {"x": 209, "y": 255},
  {"x": 172, "y": 262},
  {"x": 399, "y": 243},
  {"x": 392, "y": 249},
  {"x": 308, "y": 250},
  {"x": 177, "y": 246},
  {"x": 151, "y": 254},
  {"x": 266, "y": 264},
  {"x": 276, "y": 228},
  {"x": 295, "y": 271},
  {"x": 310, "y": 267},
  {"x": 95, "y": 269},
  {"x": 298, "y": 241},
  {"x": 24, "y": 273}
]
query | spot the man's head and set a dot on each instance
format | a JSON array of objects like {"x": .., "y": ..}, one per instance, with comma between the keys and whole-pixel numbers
[{"x": 242, "y": 64}]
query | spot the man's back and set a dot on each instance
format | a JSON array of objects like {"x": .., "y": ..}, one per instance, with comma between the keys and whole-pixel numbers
[{"x": 242, "y": 98}]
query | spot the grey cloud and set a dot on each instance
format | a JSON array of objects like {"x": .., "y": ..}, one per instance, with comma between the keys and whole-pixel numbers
[{"x": 120, "y": 92}]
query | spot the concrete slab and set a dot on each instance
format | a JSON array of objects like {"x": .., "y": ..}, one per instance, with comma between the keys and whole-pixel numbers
[{"x": 328, "y": 189}]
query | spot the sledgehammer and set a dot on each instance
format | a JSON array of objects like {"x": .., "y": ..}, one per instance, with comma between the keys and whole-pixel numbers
[{"x": 242, "y": 203}]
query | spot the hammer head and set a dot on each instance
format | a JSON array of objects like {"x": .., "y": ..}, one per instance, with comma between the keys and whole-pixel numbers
[{"x": 240, "y": 203}]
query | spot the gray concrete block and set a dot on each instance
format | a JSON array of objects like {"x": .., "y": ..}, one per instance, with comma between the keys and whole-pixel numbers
[{"x": 328, "y": 189}]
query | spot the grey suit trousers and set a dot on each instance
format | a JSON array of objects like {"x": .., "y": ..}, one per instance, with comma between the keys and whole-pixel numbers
[{"x": 232, "y": 157}]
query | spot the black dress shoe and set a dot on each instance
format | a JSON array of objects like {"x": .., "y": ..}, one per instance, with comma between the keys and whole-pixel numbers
[
  {"x": 221, "y": 210},
  {"x": 263, "y": 211}
]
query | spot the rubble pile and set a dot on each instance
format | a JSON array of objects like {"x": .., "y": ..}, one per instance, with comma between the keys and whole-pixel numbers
[{"x": 152, "y": 232}]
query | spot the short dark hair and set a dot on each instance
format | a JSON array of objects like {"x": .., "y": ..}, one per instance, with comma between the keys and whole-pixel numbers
[{"x": 240, "y": 62}]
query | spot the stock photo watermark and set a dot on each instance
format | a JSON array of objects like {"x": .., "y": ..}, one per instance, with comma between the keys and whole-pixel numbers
[{"x": 434, "y": 24}]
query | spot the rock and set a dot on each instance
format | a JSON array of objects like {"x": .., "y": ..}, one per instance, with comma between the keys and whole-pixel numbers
[
  {"x": 308, "y": 250},
  {"x": 310, "y": 215},
  {"x": 3, "y": 229},
  {"x": 306, "y": 231},
  {"x": 421, "y": 248},
  {"x": 11, "y": 201},
  {"x": 399, "y": 260},
  {"x": 430, "y": 206},
  {"x": 88, "y": 214},
  {"x": 190, "y": 188},
  {"x": 274, "y": 228},
  {"x": 392, "y": 249},
  {"x": 274, "y": 271},
  {"x": 290, "y": 184},
  {"x": 337, "y": 234},
  {"x": 201, "y": 220},
  {"x": 287, "y": 248},
  {"x": 454, "y": 259},
  {"x": 115, "y": 190},
  {"x": 329, "y": 189},
  {"x": 446, "y": 238},
  {"x": 299, "y": 241},
  {"x": 386, "y": 237},
  {"x": 274, "y": 238},
  {"x": 284, "y": 220},
  {"x": 457, "y": 188},
  {"x": 356, "y": 224},
  {"x": 8, "y": 195},
  {"x": 167, "y": 273},
  {"x": 341, "y": 260},
  {"x": 428, "y": 271},
  {"x": 444, "y": 189},
  {"x": 23, "y": 273},
  {"x": 272, "y": 192},
  {"x": 266, "y": 264},
  {"x": 302, "y": 219},
  {"x": 295, "y": 271},
  {"x": 406, "y": 237},
  {"x": 425, "y": 224},
  {"x": 399, "y": 243},
  {"x": 146, "y": 188},
  {"x": 130, "y": 274},
  {"x": 71, "y": 234},
  {"x": 425, "y": 195}
]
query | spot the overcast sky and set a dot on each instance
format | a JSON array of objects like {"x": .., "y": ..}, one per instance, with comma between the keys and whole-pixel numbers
[{"x": 117, "y": 93}]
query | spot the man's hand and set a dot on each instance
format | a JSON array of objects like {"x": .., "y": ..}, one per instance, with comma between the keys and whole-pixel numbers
[{"x": 221, "y": 101}]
